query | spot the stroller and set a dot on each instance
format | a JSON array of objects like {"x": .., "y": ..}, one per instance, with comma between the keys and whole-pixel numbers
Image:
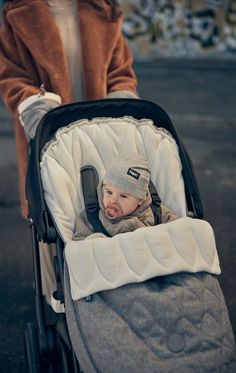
[{"x": 144, "y": 301}]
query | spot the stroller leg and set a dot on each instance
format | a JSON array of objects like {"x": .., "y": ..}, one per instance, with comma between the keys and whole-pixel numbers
[
  {"x": 46, "y": 350},
  {"x": 32, "y": 353}
]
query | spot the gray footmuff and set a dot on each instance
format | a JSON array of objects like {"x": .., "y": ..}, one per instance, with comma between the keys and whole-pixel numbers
[{"x": 172, "y": 323}]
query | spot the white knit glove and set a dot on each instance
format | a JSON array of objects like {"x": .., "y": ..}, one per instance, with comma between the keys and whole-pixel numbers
[{"x": 32, "y": 110}]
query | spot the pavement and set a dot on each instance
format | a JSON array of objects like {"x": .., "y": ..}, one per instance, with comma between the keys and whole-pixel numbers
[{"x": 199, "y": 96}]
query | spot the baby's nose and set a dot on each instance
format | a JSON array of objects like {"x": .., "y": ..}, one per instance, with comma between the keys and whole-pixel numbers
[{"x": 114, "y": 198}]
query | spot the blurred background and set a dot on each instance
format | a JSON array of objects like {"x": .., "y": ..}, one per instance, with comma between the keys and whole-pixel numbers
[
  {"x": 180, "y": 28},
  {"x": 185, "y": 60}
]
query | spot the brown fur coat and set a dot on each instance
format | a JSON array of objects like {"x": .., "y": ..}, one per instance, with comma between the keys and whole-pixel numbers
[{"x": 31, "y": 54}]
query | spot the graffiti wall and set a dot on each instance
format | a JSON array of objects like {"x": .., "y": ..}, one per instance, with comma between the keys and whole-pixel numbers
[{"x": 180, "y": 27}]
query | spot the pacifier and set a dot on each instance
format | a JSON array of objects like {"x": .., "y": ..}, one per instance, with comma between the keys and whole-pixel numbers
[{"x": 111, "y": 212}]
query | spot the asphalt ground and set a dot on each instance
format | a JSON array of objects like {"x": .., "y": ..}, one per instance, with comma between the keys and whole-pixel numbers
[{"x": 200, "y": 99}]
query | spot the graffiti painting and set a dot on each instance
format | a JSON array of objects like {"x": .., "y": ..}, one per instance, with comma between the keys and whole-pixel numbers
[{"x": 180, "y": 27}]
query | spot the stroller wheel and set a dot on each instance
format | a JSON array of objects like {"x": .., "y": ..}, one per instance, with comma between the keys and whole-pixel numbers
[{"x": 32, "y": 354}]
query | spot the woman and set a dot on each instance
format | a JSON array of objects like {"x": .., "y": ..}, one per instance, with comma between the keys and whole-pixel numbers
[{"x": 54, "y": 52}]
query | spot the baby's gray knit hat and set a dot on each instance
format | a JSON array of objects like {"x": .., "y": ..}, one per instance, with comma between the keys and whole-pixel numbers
[{"x": 130, "y": 173}]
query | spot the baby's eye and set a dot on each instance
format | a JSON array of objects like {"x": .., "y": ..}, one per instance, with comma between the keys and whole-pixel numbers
[
  {"x": 109, "y": 192},
  {"x": 124, "y": 196}
]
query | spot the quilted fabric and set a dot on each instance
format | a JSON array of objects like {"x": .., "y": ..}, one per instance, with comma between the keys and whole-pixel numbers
[
  {"x": 98, "y": 142},
  {"x": 176, "y": 323},
  {"x": 99, "y": 264}
]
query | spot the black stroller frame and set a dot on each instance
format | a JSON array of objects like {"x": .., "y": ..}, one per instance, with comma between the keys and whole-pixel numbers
[{"x": 47, "y": 344}]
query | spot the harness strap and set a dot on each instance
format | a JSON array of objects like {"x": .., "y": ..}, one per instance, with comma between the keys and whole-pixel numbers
[
  {"x": 156, "y": 203},
  {"x": 89, "y": 180}
]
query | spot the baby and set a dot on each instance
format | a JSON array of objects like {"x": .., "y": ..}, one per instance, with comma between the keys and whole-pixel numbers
[
  {"x": 124, "y": 196},
  {"x": 124, "y": 199}
]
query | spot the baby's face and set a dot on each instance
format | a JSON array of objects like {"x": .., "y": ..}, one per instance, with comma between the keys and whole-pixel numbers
[{"x": 118, "y": 203}]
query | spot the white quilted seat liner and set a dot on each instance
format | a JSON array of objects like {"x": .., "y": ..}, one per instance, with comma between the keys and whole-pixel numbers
[
  {"x": 183, "y": 245},
  {"x": 99, "y": 264}
]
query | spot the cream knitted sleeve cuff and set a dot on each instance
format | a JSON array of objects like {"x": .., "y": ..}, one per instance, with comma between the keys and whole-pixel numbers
[{"x": 122, "y": 94}]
